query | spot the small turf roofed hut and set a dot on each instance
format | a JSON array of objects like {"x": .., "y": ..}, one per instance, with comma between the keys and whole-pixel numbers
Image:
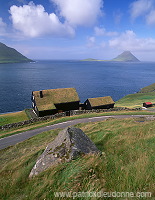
[
  {"x": 52, "y": 101},
  {"x": 99, "y": 103}
]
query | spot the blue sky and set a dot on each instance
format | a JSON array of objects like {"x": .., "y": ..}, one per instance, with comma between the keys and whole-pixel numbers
[{"x": 78, "y": 29}]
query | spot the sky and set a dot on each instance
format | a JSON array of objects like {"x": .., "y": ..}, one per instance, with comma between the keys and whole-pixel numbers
[{"x": 79, "y": 29}]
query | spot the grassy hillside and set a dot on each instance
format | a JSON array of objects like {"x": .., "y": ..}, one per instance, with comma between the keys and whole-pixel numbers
[
  {"x": 146, "y": 94},
  {"x": 149, "y": 88},
  {"x": 10, "y": 55},
  {"x": 136, "y": 100},
  {"x": 13, "y": 117},
  {"x": 127, "y": 163}
]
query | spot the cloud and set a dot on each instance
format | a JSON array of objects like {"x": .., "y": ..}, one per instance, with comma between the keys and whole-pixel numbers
[
  {"x": 91, "y": 41},
  {"x": 79, "y": 12},
  {"x": 129, "y": 41},
  {"x": 99, "y": 31},
  {"x": 145, "y": 8},
  {"x": 117, "y": 16},
  {"x": 32, "y": 21},
  {"x": 140, "y": 8},
  {"x": 103, "y": 32},
  {"x": 150, "y": 18},
  {"x": 3, "y": 27}
]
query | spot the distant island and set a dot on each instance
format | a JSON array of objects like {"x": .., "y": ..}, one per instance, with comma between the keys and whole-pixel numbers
[
  {"x": 126, "y": 56},
  {"x": 10, "y": 55},
  {"x": 90, "y": 59}
]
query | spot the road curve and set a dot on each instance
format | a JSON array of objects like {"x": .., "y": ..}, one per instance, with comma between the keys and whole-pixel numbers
[{"x": 14, "y": 139}]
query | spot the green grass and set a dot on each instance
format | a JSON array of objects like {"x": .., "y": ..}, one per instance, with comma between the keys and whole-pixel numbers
[
  {"x": 146, "y": 94},
  {"x": 136, "y": 100},
  {"x": 127, "y": 163},
  {"x": 149, "y": 88},
  {"x": 12, "y": 118}
]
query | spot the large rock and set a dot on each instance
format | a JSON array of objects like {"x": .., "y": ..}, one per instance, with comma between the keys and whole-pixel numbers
[{"x": 69, "y": 144}]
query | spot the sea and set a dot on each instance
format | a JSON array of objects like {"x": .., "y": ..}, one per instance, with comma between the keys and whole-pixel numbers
[{"x": 91, "y": 79}]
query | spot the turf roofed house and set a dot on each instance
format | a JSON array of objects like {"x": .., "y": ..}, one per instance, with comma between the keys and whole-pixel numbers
[
  {"x": 99, "y": 103},
  {"x": 52, "y": 101}
]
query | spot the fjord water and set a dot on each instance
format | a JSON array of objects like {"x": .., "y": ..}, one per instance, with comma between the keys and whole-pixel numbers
[{"x": 91, "y": 79}]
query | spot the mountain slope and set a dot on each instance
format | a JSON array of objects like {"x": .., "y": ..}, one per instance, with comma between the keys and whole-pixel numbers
[
  {"x": 10, "y": 55},
  {"x": 126, "y": 56},
  {"x": 149, "y": 88}
]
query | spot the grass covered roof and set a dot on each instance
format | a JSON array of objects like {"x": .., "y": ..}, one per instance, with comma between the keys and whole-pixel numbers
[
  {"x": 99, "y": 101},
  {"x": 55, "y": 96}
]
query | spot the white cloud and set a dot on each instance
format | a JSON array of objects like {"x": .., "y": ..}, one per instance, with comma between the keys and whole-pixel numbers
[
  {"x": 103, "y": 32},
  {"x": 99, "y": 31},
  {"x": 3, "y": 27},
  {"x": 117, "y": 16},
  {"x": 33, "y": 21},
  {"x": 103, "y": 44},
  {"x": 150, "y": 18},
  {"x": 129, "y": 41},
  {"x": 91, "y": 41},
  {"x": 111, "y": 33},
  {"x": 79, "y": 12},
  {"x": 145, "y": 8},
  {"x": 140, "y": 8}
]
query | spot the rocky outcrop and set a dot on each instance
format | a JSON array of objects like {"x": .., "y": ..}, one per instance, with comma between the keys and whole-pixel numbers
[{"x": 68, "y": 145}]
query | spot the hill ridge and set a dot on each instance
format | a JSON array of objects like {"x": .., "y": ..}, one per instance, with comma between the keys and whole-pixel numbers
[
  {"x": 126, "y": 56},
  {"x": 11, "y": 55}
]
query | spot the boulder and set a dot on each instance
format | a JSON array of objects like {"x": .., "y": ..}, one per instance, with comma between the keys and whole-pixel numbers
[{"x": 68, "y": 145}]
